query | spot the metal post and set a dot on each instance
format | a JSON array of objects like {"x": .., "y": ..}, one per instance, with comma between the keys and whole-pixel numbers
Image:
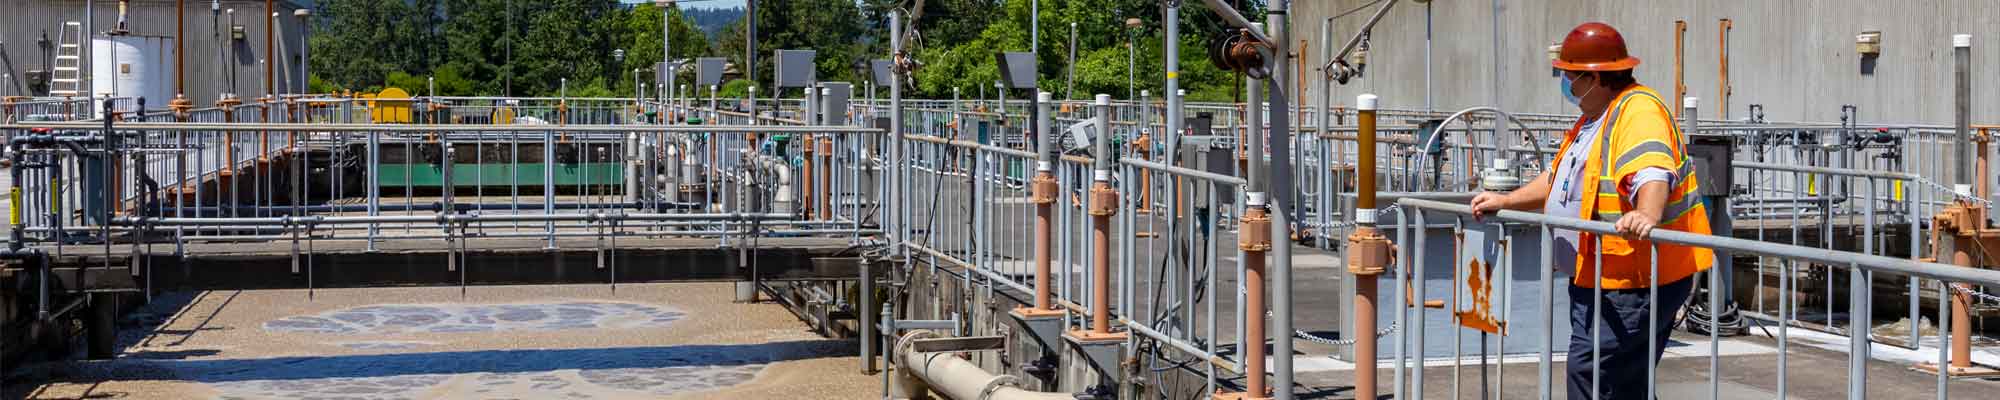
[
  {"x": 1173, "y": 84},
  {"x": 1069, "y": 68},
  {"x": 1280, "y": 204},
  {"x": 1961, "y": 55},
  {"x": 894, "y": 221},
  {"x": 667, "y": 51},
  {"x": 869, "y": 336},
  {"x": 1368, "y": 252}
]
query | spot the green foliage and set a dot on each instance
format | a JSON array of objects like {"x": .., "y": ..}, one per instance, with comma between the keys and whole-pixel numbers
[
  {"x": 528, "y": 48},
  {"x": 412, "y": 84},
  {"x": 734, "y": 89}
]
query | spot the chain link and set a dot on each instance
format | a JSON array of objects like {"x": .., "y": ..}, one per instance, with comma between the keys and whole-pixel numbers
[
  {"x": 1954, "y": 193},
  {"x": 1310, "y": 337},
  {"x": 1974, "y": 293}
]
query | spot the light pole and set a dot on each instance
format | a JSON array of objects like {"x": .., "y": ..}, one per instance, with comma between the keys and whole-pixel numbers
[
  {"x": 1131, "y": 56},
  {"x": 305, "y": 30},
  {"x": 667, "y": 49},
  {"x": 617, "y": 59}
]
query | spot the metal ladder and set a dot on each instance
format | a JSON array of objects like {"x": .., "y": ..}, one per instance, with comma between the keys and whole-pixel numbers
[{"x": 68, "y": 77}]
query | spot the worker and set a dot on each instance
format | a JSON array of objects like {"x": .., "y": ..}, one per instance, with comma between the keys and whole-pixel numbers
[{"x": 1621, "y": 162}]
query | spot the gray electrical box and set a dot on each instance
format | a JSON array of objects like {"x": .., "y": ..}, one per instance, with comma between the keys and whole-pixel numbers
[
  {"x": 833, "y": 102},
  {"x": 881, "y": 71},
  {"x": 794, "y": 69},
  {"x": 1017, "y": 69},
  {"x": 1215, "y": 154},
  {"x": 663, "y": 72},
  {"x": 1712, "y": 166},
  {"x": 708, "y": 71}
]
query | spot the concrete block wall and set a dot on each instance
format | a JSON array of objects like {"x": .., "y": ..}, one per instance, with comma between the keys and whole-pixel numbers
[
  {"x": 1797, "y": 58},
  {"x": 23, "y": 22}
]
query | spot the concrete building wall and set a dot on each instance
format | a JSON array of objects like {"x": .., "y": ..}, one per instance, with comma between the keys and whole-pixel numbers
[
  {"x": 1796, "y": 58},
  {"x": 210, "y": 58}
]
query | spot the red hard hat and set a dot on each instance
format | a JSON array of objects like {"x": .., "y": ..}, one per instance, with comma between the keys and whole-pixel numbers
[{"x": 1594, "y": 46}]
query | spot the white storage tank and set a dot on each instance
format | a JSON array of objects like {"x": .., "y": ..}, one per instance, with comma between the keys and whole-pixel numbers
[{"x": 133, "y": 66}]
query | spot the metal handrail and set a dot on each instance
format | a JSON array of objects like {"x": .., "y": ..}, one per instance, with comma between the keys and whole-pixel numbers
[{"x": 1931, "y": 270}]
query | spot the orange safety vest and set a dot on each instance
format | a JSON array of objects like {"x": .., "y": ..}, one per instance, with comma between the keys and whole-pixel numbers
[{"x": 1639, "y": 134}]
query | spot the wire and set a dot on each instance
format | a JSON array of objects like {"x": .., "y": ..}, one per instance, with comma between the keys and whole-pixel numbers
[{"x": 1698, "y": 320}]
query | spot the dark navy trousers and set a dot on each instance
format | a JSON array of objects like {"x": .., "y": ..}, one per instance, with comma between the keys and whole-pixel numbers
[{"x": 1622, "y": 356}]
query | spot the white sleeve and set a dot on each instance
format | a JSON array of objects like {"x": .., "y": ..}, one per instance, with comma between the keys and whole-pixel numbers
[{"x": 1645, "y": 176}]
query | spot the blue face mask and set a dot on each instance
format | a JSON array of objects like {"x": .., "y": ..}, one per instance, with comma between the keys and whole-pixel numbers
[{"x": 1570, "y": 94}]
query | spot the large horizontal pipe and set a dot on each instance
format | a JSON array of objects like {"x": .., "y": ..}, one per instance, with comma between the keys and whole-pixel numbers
[
  {"x": 209, "y": 126},
  {"x": 959, "y": 379},
  {"x": 1192, "y": 173}
]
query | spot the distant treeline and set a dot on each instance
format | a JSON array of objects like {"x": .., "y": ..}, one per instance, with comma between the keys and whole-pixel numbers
[
  {"x": 712, "y": 20},
  {"x": 528, "y": 48}
]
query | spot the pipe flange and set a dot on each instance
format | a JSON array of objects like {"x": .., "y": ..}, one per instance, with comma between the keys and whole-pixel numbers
[
  {"x": 1369, "y": 252},
  {"x": 1043, "y": 188},
  {"x": 986, "y": 392},
  {"x": 1103, "y": 199},
  {"x": 1255, "y": 232}
]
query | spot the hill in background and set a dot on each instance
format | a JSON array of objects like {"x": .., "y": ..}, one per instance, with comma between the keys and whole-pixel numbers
[{"x": 713, "y": 20}]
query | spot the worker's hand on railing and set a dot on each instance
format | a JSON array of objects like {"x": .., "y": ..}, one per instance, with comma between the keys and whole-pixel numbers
[
  {"x": 1637, "y": 225},
  {"x": 1485, "y": 203}
]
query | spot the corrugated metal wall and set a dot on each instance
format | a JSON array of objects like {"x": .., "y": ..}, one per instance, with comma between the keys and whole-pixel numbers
[
  {"x": 1796, "y": 58},
  {"x": 23, "y": 22}
]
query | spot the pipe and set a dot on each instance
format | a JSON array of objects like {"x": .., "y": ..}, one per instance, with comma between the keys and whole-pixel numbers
[
  {"x": 1103, "y": 204},
  {"x": 1961, "y": 55},
  {"x": 1961, "y": 306},
  {"x": 1045, "y": 192},
  {"x": 1722, "y": 107},
  {"x": 783, "y": 202},
  {"x": 15, "y": 165},
  {"x": 1280, "y": 202},
  {"x": 270, "y": 58},
  {"x": 1680, "y": 58},
  {"x": 1256, "y": 219},
  {"x": 180, "y": 47},
  {"x": 1368, "y": 257},
  {"x": 1230, "y": 16},
  {"x": 1356, "y": 40},
  {"x": 955, "y": 378},
  {"x": 893, "y": 221}
]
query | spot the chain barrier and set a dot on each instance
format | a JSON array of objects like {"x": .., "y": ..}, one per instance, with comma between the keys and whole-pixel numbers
[
  {"x": 1310, "y": 337},
  {"x": 1954, "y": 193},
  {"x": 1974, "y": 293}
]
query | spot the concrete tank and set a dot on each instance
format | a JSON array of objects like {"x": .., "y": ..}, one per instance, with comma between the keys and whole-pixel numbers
[{"x": 133, "y": 66}]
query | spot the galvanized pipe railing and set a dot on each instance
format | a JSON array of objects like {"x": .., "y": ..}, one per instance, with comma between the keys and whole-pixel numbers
[{"x": 1415, "y": 211}]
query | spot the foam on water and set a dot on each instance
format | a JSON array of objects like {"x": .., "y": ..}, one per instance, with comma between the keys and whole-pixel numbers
[{"x": 449, "y": 318}]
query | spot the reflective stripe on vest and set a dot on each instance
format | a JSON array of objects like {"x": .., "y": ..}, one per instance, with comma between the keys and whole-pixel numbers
[{"x": 1680, "y": 197}]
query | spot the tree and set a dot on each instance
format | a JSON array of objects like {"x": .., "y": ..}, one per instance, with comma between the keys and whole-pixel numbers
[{"x": 641, "y": 31}]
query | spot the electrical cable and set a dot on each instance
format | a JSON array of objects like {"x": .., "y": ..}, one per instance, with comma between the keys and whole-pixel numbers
[{"x": 1698, "y": 319}]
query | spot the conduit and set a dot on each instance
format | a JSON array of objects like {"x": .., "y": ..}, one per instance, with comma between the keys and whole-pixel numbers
[{"x": 955, "y": 378}]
